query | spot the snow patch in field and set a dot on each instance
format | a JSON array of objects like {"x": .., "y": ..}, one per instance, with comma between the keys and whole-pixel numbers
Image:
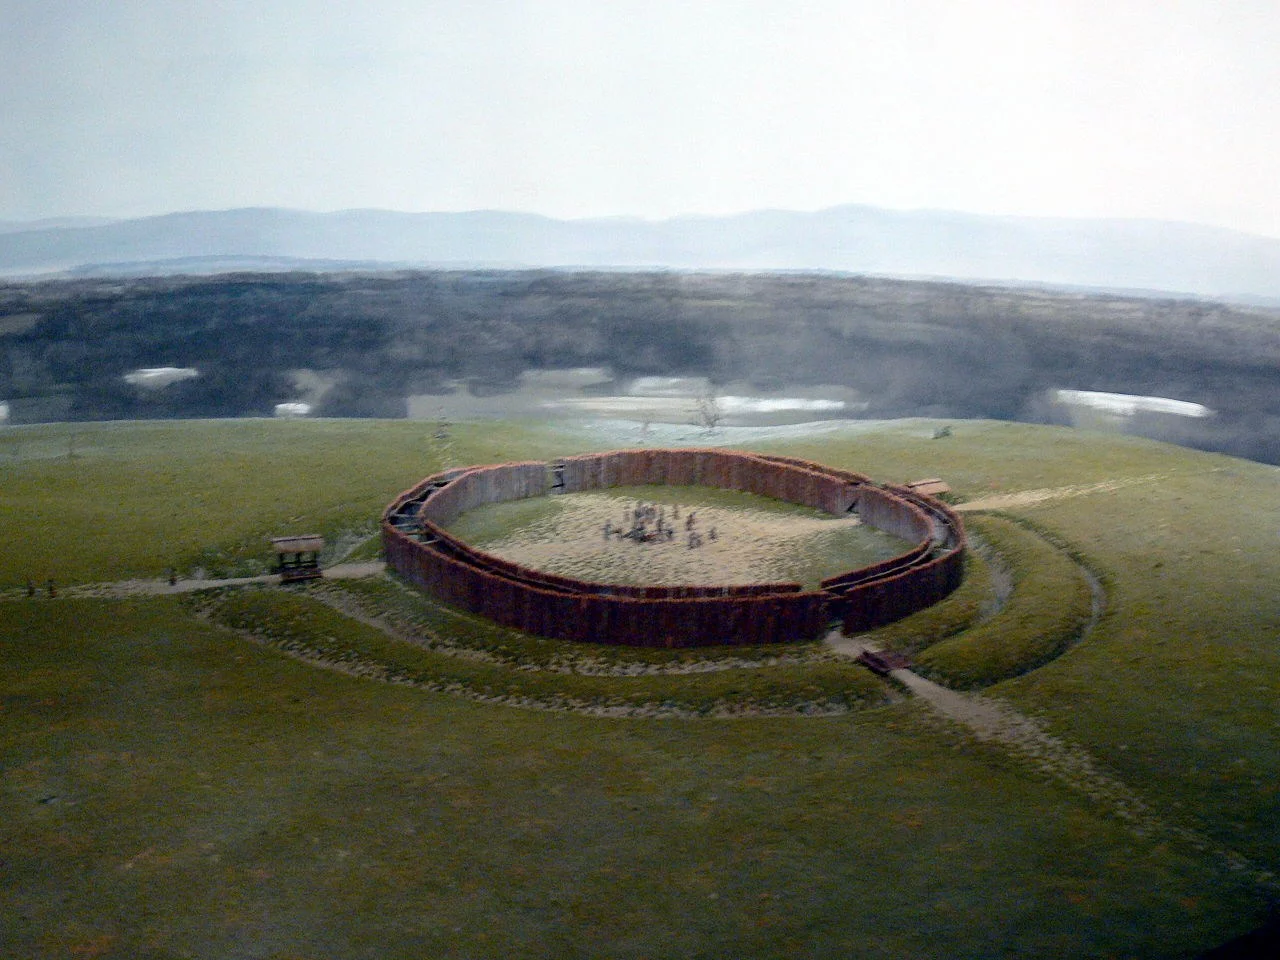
[
  {"x": 1127, "y": 405},
  {"x": 634, "y": 433},
  {"x": 685, "y": 387},
  {"x": 153, "y": 378},
  {"x": 731, "y": 405}
]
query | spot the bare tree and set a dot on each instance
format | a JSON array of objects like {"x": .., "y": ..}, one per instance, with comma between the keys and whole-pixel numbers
[
  {"x": 440, "y": 444},
  {"x": 708, "y": 409}
]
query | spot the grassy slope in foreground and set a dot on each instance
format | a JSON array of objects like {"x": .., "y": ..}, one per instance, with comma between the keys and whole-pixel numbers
[
  {"x": 169, "y": 789},
  {"x": 167, "y": 786}
]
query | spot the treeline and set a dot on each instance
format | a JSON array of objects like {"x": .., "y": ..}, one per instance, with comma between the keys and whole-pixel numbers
[{"x": 910, "y": 348}]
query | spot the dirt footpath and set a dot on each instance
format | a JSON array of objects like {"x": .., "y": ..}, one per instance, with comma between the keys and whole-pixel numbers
[
  {"x": 157, "y": 588},
  {"x": 995, "y": 722},
  {"x": 1031, "y": 498}
]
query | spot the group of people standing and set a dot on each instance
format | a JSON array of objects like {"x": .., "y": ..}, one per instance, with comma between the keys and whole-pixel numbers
[{"x": 647, "y": 523}]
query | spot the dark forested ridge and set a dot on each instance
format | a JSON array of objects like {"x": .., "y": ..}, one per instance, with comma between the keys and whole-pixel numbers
[{"x": 909, "y": 348}]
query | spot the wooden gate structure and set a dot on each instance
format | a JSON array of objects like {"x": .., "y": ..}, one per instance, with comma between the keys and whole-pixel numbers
[{"x": 298, "y": 558}]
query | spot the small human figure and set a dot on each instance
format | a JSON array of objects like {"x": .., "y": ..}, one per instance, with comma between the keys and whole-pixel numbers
[
  {"x": 173, "y": 576},
  {"x": 53, "y": 590},
  {"x": 688, "y": 522},
  {"x": 31, "y": 587}
]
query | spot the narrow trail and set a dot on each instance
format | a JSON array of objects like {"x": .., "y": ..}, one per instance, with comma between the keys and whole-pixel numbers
[
  {"x": 1000, "y": 724},
  {"x": 121, "y": 589},
  {"x": 994, "y": 720},
  {"x": 1030, "y": 498},
  {"x": 381, "y": 673}
]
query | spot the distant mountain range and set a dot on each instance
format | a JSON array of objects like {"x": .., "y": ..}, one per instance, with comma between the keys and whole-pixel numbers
[{"x": 1141, "y": 255}]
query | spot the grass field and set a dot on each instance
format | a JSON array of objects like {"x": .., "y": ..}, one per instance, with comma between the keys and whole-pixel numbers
[
  {"x": 208, "y": 494},
  {"x": 171, "y": 789}
]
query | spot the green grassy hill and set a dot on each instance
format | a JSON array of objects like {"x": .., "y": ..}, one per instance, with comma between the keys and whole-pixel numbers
[{"x": 172, "y": 789}]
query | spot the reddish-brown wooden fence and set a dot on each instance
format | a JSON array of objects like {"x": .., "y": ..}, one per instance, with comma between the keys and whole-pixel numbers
[{"x": 422, "y": 551}]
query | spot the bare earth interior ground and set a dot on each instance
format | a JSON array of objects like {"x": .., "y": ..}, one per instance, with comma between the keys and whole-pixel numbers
[{"x": 741, "y": 538}]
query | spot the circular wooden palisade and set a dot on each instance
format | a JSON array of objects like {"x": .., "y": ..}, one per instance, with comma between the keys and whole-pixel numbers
[{"x": 421, "y": 551}]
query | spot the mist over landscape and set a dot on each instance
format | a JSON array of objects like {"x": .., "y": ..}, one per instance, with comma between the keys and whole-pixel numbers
[
  {"x": 1134, "y": 255},
  {"x": 456, "y": 344}
]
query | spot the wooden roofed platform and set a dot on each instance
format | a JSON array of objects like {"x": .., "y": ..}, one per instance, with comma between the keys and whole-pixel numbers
[{"x": 298, "y": 558}]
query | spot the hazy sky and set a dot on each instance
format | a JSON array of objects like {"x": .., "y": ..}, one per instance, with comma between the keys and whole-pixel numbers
[{"x": 1132, "y": 108}]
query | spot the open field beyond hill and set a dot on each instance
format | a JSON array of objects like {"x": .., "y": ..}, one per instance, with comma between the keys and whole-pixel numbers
[{"x": 180, "y": 779}]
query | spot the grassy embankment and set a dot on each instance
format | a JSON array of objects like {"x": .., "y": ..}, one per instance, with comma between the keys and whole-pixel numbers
[
  {"x": 173, "y": 791},
  {"x": 1049, "y": 607},
  {"x": 317, "y": 632},
  {"x": 441, "y": 627}
]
